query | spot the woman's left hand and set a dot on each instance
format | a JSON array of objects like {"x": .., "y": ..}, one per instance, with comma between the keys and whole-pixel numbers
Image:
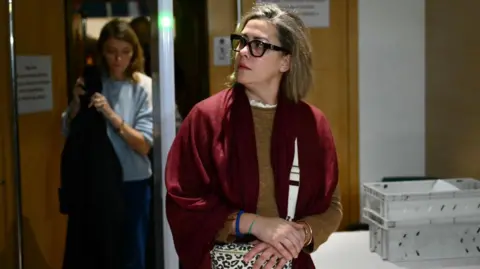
[
  {"x": 268, "y": 255},
  {"x": 101, "y": 104}
]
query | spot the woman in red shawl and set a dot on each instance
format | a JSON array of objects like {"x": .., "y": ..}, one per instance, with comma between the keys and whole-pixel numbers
[{"x": 228, "y": 170}]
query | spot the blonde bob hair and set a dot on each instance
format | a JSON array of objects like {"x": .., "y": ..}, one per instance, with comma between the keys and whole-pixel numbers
[{"x": 293, "y": 36}]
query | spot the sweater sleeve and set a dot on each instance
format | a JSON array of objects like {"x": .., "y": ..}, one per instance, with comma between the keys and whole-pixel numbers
[{"x": 323, "y": 225}]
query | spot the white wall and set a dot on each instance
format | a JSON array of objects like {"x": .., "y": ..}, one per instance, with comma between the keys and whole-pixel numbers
[
  {"x": 94, "y": 25},
  {"x": 391, "y": 88}
]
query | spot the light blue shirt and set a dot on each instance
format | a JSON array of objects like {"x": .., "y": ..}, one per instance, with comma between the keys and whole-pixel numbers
[{"x": 133, "y": 103}]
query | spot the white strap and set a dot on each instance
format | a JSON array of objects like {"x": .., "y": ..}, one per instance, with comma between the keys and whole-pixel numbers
[{"x": 294, "y": 185}]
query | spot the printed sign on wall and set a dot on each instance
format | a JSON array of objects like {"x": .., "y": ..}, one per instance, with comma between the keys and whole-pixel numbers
[{"x": 34, "y": 83}]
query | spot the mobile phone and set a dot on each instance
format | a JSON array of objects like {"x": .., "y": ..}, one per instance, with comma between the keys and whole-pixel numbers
[{"x": 92, "y": 78}]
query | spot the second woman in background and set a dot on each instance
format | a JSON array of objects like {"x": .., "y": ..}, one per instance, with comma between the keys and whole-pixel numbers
[{"x": 126, "y": 104}]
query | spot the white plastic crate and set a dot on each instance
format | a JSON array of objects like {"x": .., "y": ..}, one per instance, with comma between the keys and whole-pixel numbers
[
  {"x": 423, "y": 200},
  {"x": 453, "y": 239}
]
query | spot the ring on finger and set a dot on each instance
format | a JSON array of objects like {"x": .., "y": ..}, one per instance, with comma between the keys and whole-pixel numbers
[
  {"x": 270, "y": 263},
  {"x": 265, "y": 257},
  {"x": 274, "y": 258}
]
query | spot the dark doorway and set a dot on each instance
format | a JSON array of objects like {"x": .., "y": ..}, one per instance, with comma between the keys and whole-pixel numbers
[{"x": 84, "y": 18}]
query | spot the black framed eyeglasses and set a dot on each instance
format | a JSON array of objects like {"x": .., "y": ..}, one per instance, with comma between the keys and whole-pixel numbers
[{"x": 256, "y": 47}]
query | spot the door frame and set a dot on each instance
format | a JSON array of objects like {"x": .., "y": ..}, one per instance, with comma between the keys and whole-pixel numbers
[{"x": 353, "y": 120}]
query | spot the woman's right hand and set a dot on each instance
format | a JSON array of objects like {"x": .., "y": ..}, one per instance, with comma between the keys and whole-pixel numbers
[
  {"x": 268, "y": 258},
  {"x": 285, "y": 236},
  {"x": 78, "y": 91}
]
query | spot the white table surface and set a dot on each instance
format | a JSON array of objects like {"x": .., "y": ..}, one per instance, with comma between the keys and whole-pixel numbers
[{"x": 350, "y": 250}]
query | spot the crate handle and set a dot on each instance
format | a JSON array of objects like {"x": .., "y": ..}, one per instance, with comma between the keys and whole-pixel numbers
[
  {"x": 374, "y": 222},
  {"x": 371, "y": 212}
]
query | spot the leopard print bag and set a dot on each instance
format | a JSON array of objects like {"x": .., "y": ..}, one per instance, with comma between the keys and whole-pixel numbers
[{"x": 230, "y": 256}]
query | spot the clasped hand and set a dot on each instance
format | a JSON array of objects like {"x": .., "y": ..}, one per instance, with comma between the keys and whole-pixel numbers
[
  {"x": 98, "y": 101},
  {"x": 101, "y": 104},
  {"x": 278, "y": 241}
]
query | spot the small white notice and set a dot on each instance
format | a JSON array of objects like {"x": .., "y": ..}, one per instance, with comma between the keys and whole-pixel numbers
[
  {"x": 222, "y": 55},
  {"x": 34, "y": 83},
  {"x": 314, "y": 13}
]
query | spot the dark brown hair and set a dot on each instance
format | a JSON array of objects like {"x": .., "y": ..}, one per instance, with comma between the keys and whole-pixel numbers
[
  {"x": 121, "y": 30},
  {"x": 293, "y": 36},
  {"x": 141, "y": 26}
]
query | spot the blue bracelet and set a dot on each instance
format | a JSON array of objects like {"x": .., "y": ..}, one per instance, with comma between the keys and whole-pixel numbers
[{"x": 237, "y": 224}]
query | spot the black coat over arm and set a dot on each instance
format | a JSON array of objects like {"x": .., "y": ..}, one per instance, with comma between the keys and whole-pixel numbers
[{"x": 91, "y": 188}]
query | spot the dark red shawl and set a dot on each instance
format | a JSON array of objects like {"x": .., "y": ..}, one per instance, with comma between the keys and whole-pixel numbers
[{"x": 212, "y": 169}]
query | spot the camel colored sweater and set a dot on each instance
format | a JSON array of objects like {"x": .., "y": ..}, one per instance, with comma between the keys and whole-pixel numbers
[{"x": 323, "y": 225}]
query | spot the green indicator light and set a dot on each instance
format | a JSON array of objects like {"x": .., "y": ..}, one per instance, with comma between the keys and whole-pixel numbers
[{"x": 165, "y": 21}]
